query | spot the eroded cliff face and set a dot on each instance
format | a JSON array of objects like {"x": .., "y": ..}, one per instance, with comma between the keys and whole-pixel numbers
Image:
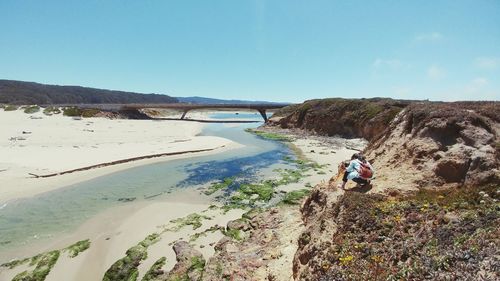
[
  {"x": 350, "y": 118},
  {"x": 439, "y": 144},
  {"x": 411, "y": 145}
]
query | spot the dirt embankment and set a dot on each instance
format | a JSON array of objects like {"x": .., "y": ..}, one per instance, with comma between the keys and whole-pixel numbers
[
  {"x": 432, "y": 232},
  {"x": 411, "y": 144},
  {"x": 350, "y": 118},
  {"x": 439, "y": 145}
]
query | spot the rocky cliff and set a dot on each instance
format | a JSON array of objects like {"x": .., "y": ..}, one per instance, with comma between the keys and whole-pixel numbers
[
  {"x": 439, "y": 144},
  {"x": 433, "y": 213},
  {"x": 412, "y": 144}
]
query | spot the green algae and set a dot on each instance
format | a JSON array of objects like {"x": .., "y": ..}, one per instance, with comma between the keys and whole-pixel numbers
[
  {"x": 126, "y": 268},
  {"x": 234, "y": 234},
  {"x": 155, "y": 270},
  {"x": 268, "y": 135},
  {"x": 294, "y": 197},
  {"x": 44, "y": 263},
  {"x": 193, "y": 220},
  {"x": 214, "y": 187},
  {"x": 212, "y": 229},
  {"x": 80, "y": 246}
]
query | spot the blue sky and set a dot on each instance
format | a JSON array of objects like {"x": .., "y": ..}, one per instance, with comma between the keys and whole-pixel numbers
[{"x": 259, "y": 50}]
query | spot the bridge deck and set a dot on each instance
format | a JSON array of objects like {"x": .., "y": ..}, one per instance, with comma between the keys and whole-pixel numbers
[{"x": 184, "y": 107}]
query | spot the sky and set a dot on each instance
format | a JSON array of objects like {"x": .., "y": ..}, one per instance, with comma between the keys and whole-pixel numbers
[{"x": 276, "y": 50}]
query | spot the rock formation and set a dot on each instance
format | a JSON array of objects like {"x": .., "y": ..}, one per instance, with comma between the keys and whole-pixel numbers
[
  {"x": 439, "y": 144},
  {"x": 412, "y": 144}
]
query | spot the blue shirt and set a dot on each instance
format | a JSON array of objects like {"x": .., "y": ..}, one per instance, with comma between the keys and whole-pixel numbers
[{"x": 354, "y": 167}]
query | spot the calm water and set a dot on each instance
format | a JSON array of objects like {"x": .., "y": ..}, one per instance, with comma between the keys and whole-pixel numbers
[{"x": 64, "y": 209}]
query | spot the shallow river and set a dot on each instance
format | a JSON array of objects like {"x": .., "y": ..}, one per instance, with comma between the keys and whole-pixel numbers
[{"x": 60, "y": 211}]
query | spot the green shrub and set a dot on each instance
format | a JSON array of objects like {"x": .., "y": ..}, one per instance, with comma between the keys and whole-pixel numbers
[
  {"x": 10, "y": 107},
  {"x": 90, "y": 112},
  {"x": 72, "y": 111},
  {"x": 31, "y": 109},
  {"x": 51, "y": 110}
]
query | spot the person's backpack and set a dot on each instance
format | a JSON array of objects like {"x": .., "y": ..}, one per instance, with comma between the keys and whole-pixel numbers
[{"x": 364, "y": 171}]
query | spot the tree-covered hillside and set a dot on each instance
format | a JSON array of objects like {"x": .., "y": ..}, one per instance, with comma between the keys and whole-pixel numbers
[{"x": 19, "y": 92}]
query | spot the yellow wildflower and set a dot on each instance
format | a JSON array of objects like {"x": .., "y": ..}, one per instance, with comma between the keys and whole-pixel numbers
[{"x": 346, "y": 260}]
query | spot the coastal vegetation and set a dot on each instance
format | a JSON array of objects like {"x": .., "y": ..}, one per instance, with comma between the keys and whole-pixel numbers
[
  {"x": 268, "y": 135},
  {"x": 295, "y": 197},
  {"x": 43, "y": 264},
  {"x": 155, "y": 271},
  {"x": 10, "y": 107},
  {"x": 50, "y": 110},
  {"x": 126, "y": 268},
  {"x": 219, "y": 185},
  {"x": 344, "y": 117},
  {"x": 193, "y": 220},
  {"x": 80, "y": 246},
  {"x": 428, "y": 234},
  {"x": 211, "y": 229},
  {"x": 30, "y": 109}
]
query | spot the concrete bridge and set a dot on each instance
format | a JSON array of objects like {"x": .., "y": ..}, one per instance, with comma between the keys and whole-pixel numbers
[
  {"x": 183, "y": 107},
  {"x": 186, "y": 107}
]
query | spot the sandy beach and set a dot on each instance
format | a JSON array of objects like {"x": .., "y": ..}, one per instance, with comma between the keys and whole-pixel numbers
[
  {"x": 52, "y": 144},
  {"x": 40, "y": 144}
]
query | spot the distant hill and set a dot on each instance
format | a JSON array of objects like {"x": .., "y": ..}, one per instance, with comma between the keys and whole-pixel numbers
[
  {"x": 202, "y": 100},
  {"x": 19, "y": 92}
]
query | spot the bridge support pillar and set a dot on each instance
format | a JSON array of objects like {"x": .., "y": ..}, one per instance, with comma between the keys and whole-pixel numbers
[
  {"x": 263, "y": 114},
  {"x": 184, "y": 114}
]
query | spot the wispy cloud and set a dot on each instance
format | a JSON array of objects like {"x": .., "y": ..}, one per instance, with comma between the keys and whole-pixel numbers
[
  {"x": 401, "y": 92},
  {"x": 428, "y": 37},
  {"x": 488, "y": 63},
  {"x": 389, "y": 63},
  {"x": 436, "y": 72},
  {"x": 476, "y": 85}
]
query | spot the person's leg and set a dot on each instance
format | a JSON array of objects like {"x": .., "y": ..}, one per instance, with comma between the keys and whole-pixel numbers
[
  {"x": 360, "y": 181},
  {"x": 344, "y": 180}
]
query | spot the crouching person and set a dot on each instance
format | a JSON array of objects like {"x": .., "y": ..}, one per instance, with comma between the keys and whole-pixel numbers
[{"x": 358, "y": 170}]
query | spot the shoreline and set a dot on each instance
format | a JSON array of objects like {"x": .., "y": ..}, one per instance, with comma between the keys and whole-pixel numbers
[
  {"x": 38, "y": 145},
  {"x": 115, "y": 230}
]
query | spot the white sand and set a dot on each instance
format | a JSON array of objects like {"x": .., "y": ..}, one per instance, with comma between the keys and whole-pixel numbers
[
  {"x": 50, "y": 149},
  {"x": 57, "y": 143},
  {"x": 114, "y": 231}
]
